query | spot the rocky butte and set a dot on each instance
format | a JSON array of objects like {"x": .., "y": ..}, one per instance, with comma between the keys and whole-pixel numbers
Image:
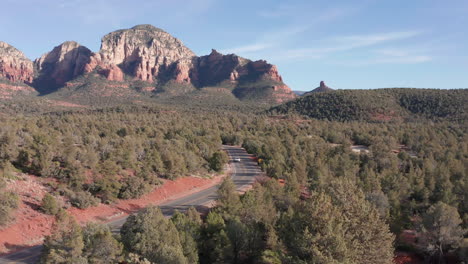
[
  {"x": 64, "y": 63},
  {"x": 322, "y": 88},
  {"x": 16, "y": 72},
  {"x": 14, "y": 66},
  {"x": 146, "y": 54}
]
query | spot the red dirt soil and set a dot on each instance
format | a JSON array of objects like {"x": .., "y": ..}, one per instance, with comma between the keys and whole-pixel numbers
[
  {"x": 407, "y": 258},
  {"x": 65, "y": 104},
  {"x": 31, "y": 225}
]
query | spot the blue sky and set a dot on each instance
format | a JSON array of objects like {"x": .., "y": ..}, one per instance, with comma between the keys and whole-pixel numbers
[{"x": 348, "y": 44}]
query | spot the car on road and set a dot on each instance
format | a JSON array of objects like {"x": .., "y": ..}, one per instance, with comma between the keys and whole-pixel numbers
[{"x": 236, "y": 159}]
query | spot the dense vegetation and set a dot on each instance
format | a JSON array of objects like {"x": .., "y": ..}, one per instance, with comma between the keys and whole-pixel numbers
[
  {"x": 269, "y": 224},
  {"x": 110, "y": 154},
  {"x": 334, "y": 203},
  {"x": 380, "y": 105}
]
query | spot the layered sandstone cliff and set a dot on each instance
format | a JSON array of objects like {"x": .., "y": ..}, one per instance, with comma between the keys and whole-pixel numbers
[
  {"x": 149, "y": 54},
  {"x": 144, "y": 52},
  {"x": 14, "y": 66},
  {"x": 64, "y": 63}
]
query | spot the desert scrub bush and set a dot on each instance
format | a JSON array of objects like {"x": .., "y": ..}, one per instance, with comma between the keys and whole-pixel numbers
[
  {"x": 49, "y": 205},
  {"x": 134, "y": 187},
  {"x": 82, "y": 199},
  {"x": 8, "y": 202}
]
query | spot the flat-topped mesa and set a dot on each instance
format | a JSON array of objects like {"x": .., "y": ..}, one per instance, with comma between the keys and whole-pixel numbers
[
  {"x": 65, "y": 62},
  {"x": 14, "y": 66},
  {"x": 144, "y": 52}
]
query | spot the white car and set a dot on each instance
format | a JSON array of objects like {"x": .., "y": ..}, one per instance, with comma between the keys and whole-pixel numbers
[{"x": 236, "y": 159}]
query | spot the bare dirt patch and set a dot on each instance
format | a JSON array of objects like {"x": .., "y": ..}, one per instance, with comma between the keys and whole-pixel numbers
[
  {"x": 65, "y": 104},
  {"x": 31, "y": 225}
]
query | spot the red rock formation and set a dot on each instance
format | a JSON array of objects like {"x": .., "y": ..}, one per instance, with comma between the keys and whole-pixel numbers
[
  {"x": 182, "y": 72},
  {"x": 144, "y": 52},
  {"x": 215, "y": 68},
  {"x": 62, "y": 64},
  {"x": 112, "y": 73},
  {"x": 322, "y": 88},
  {"x": 267, "y": 70},
  {"x": 148, "y": 54},
  {"x": 14, "y": 66},
  {"x": 283, "y": 93}
]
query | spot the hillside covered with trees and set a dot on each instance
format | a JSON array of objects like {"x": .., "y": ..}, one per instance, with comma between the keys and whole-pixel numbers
[
  {"x": 321, "y": 203},
  {"x": 380, "y": 105}
]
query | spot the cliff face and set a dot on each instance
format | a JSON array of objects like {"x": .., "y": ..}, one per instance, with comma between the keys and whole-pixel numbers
[
  {"x": 62, "y": 64},
  {"x": 149, "y": 54},
  {"x": 251, "y": 79},
  {"x": 143, "y": 52},
  {"x": 14, "y": 66},
  {"x": 216, "y": 68}
]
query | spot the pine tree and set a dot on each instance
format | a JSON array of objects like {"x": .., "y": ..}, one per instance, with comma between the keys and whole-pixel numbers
[
  {"x": 65, "y": 244},
  {"x": 152, "y": 236},
  {"x": 189, "y": 234},
  {"x": 100, "y": 247},
  {"x": 441, "y": 230},
  {"x": 216, "y": 247},
  {"x": 218, "y": 160},
  {"x": 337, "y": 225},
  {"x": 228, "y": 199}
]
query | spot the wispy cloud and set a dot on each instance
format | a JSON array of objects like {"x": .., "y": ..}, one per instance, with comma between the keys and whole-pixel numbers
[
  {"x": 400, "y": 56},
  {"x": 403, "y": 60},
  {"x": 117, "y": 12},
  {"x": 279, "y": 45},
  {"x": 247, "y": 48},
  {"x": 274, "y": 39},
  {"x": 301, "y": 10},
  {"x": 356, "y": 41},
  {"x": 348, "y": 43},
  {"x": 268, "y": 40}
]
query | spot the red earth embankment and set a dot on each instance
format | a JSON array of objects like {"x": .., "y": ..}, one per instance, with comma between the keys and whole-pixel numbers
[{"x": 31, "y": 225}]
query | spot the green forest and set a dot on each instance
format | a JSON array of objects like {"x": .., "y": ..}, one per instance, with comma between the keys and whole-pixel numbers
[
  {"x": 381, "y": 105},
  {"x": 332, "y": 205}
]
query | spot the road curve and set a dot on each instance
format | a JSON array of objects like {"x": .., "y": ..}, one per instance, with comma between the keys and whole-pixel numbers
[{"x": 243, "y": 175}]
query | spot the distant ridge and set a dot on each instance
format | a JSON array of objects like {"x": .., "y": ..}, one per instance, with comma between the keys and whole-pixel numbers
[
  {"x": 143, "y": 61},
  {"x": 390, "y": 104}
]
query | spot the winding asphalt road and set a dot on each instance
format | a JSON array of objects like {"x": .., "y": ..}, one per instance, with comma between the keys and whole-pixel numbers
[{"x": 243, "y": 175}]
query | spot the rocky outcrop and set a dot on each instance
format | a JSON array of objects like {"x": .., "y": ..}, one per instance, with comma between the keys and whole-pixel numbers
[
  {"x": 144, "y": 52},
  {"x": 149, "y": 54},
  {"x": 183, "y": 72},
  {"x": 216, "y": 67},
  {"x": 64, "y": 63},
  {"x": 322, "y": 88},
  {"x": 14, "y": 66},
  {"x": 282, "y": 93}
]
